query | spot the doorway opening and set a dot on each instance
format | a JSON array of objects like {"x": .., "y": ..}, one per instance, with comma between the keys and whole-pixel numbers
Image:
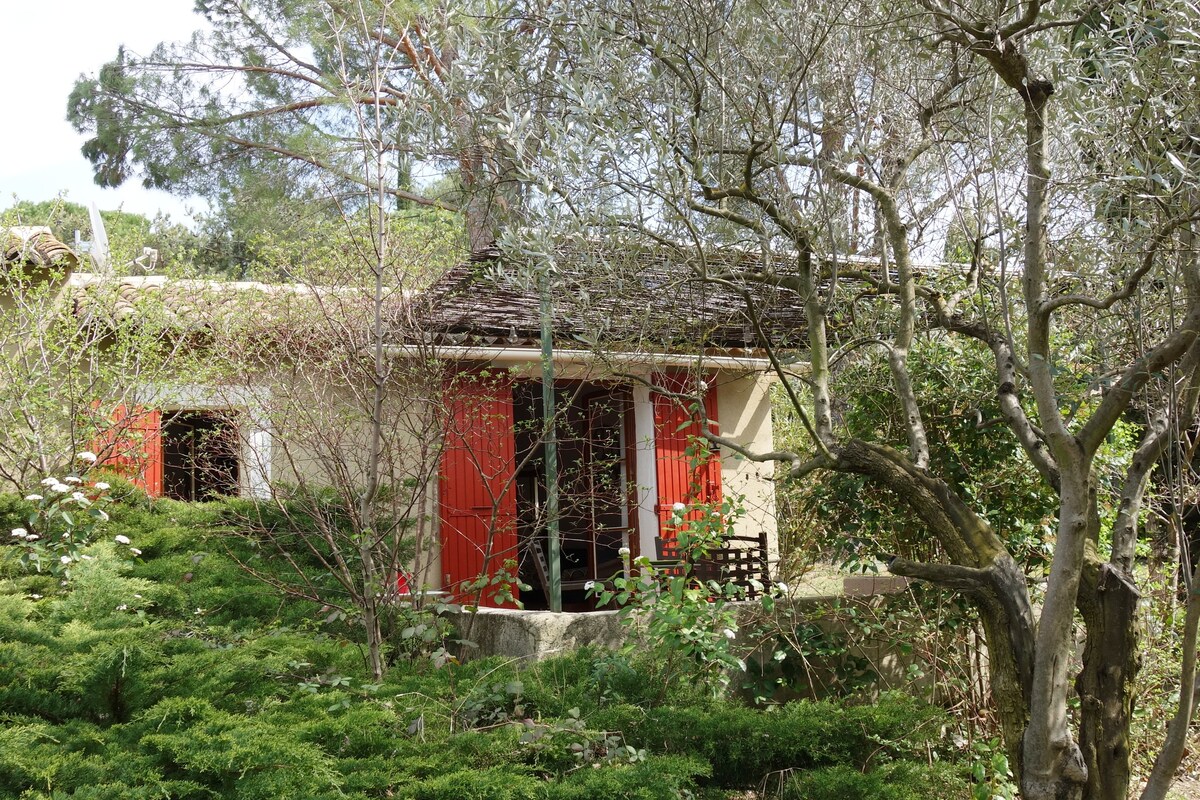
[
  {"x": 200, "y": 455},
  {"x": 593, "y": 480}
]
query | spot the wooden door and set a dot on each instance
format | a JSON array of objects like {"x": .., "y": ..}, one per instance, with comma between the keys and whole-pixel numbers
[{"x": 477, "y": 496}]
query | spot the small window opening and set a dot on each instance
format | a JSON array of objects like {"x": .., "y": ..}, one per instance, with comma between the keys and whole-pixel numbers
[{"x": 200, "y": 455}]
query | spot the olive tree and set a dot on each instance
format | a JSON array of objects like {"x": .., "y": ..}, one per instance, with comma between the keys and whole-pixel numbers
[{"x": 850, "y": 148}]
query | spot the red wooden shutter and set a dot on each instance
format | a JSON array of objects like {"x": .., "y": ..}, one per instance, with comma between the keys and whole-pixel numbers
[
  {"x": 680, "y": 479},
  {"x": 132, "y": 447},
  {"x": 477, "y": 498}
]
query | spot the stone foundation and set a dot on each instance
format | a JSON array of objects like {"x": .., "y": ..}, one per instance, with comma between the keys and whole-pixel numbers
[{"x": 536, "y": 634}]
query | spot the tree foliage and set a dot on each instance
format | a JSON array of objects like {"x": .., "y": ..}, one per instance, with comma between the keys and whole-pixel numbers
[
  {"x": 1049, "y": 150},
  {"x": 276, "y": 87},
  {"x": 850, "y": 147}
]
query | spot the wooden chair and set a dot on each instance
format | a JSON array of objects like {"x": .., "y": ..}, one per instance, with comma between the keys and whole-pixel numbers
[
  {"x": 742, "y": 560},
  {"x": 542, "y": 566}
]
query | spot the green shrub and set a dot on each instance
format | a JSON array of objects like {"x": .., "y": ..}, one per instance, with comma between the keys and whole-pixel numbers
[
  {"x": 237, "y": 754},
  {"x": 744, "y": 744},
  {"x": 556, "y": 685},
  {"x": 900, "y": 780},
  {"x": 491, "y": 783},
  {"x": 181, "y": 676},
  {"x": 102, "y": 593},
  {"x": 176, "y": 790},
  {"x": 589, "y": 679},
  {"x": 98, "y": 673},
  {"x": 656, "y": 778}
]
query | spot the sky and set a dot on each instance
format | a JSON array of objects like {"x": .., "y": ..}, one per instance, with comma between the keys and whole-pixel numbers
[{"x": 46, "y": 45}]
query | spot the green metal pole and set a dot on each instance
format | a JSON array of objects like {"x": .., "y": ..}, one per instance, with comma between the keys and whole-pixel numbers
[{"x": 553, "y": 545}]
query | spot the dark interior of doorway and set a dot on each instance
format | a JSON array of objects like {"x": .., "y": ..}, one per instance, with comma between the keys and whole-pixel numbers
[
  {"x": 593, "y": 519},
  {"x": 200, "y": 455}
]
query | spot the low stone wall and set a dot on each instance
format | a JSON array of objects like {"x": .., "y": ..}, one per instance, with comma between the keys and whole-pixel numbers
[{"x": 535, "y": 634}]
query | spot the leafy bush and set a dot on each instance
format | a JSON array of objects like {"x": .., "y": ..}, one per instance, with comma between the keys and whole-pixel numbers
[
  {"x": 229, "y": 752},
  {"x": 745, "y": 745},
  {"x": 656, "y": 777},
  {"x": 65, "y": 516},
  {"x": 493, "y": 783},
  {"x": 588, "y": 679},
  {"x": 901, "y": 780}
]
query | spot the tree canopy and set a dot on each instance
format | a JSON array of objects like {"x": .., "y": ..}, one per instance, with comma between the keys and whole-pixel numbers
[
  {"x": 854, "y": 147},
  {"x": 276, "y": 86}
]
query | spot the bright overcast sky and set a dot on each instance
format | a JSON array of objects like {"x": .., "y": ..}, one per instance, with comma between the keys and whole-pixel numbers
[{"x": 46, "y": 46}]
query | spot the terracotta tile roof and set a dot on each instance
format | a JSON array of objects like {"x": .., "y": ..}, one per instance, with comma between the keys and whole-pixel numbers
[
  {"x": 268, "y": 312},
  {"x": 643, "y": 298},
  {"x": 37, "y": 246},
  {"x": 183, "y": 303}
]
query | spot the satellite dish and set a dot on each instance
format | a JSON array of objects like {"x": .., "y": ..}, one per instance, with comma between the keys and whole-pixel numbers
[{"x": 99, "y": 250}]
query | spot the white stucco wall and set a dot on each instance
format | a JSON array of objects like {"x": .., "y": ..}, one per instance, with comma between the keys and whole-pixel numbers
[{"x": 744, "y": 413}]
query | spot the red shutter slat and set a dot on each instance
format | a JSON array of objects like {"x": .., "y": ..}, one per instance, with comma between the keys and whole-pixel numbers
[
  {"x": 476, "y": 496},
  {"x": 150, "y": 427}
]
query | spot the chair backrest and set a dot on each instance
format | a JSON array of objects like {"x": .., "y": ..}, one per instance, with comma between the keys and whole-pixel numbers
[
  {"x": 742, "y": 560},
  {"x": 666, "y": 549},
  {"x": 542, "y": 566}
]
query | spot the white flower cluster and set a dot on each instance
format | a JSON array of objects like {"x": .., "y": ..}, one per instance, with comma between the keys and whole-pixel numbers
[
  {"x": 59, "y": 495},
  {"x": 122, "y": 539},
  {"x": 55, "y": 485},
  {"x": 64, "y": 486}
]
